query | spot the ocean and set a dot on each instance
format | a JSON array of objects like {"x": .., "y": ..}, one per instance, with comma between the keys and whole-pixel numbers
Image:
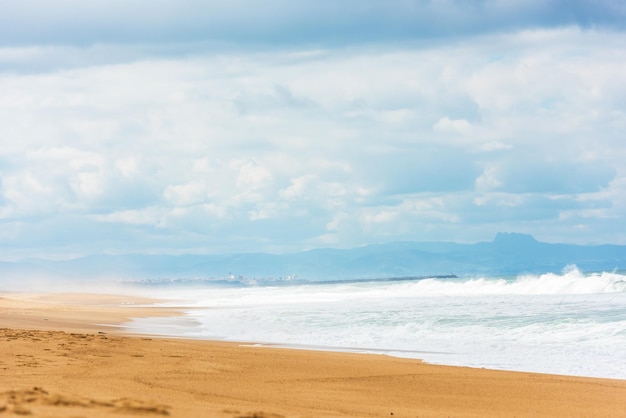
[{"x": 569, "y": 323}]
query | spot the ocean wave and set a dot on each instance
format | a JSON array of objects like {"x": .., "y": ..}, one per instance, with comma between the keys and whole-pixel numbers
[{"x": 571, "y": 282}]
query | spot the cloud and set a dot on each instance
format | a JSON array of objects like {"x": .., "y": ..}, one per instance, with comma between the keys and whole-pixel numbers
[
  {"x": 276, "y": 22},
  {"x": 295, "y": 147},
  {"x": 560, "y": 177},
  {"x": 459, "y": 126}
]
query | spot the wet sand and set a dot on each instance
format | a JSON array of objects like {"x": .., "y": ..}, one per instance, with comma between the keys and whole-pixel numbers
[{"x": 60, "y": 357}]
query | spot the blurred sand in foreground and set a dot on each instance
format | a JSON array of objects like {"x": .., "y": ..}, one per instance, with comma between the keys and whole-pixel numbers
[{"x": 59, "y": 357}]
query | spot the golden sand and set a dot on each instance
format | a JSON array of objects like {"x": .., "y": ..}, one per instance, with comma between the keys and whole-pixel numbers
[{"x": 59, "y": 359}]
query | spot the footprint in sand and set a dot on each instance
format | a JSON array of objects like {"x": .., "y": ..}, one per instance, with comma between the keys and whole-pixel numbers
[{"x": 38, "y": 402}]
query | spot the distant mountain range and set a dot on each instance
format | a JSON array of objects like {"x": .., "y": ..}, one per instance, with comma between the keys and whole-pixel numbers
[{"x": 507, "y": 254}]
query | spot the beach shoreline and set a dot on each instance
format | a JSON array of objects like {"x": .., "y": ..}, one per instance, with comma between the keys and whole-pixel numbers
[{"x": 66, "y": 355}]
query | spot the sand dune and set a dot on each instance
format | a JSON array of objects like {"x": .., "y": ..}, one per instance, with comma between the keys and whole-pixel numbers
[{"x": 54, "y": 362}]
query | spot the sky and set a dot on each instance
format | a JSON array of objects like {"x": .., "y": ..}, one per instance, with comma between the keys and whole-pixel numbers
[{"x": 189, "y": 126}]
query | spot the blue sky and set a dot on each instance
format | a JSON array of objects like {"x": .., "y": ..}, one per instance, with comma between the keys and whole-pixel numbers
[{"x": 200, "y": 126}]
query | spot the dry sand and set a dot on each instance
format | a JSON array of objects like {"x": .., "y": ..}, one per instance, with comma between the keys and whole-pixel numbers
[{"x": 58, "y": 359}]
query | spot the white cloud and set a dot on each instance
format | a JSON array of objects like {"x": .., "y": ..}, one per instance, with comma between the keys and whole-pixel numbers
[
  {"x": 185, "y": 194},
  {"x": 340, "y": 146},
  {"x": 488, "y": 180},
  {"x": 251, "y": 177},
  {"x": 496, "y": 146},
  {"x": 128, "y": 166},
  {"x": 298, "y": 188},
  {"x": 458, "y": 126},
  {"x": 145, "y": 216}
]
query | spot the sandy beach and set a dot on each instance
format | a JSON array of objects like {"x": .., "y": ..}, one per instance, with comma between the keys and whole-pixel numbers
[{"x": 61, "y": 355}]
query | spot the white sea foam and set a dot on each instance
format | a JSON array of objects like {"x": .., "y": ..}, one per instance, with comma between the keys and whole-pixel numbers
[{"x": 568, "y": 323}]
